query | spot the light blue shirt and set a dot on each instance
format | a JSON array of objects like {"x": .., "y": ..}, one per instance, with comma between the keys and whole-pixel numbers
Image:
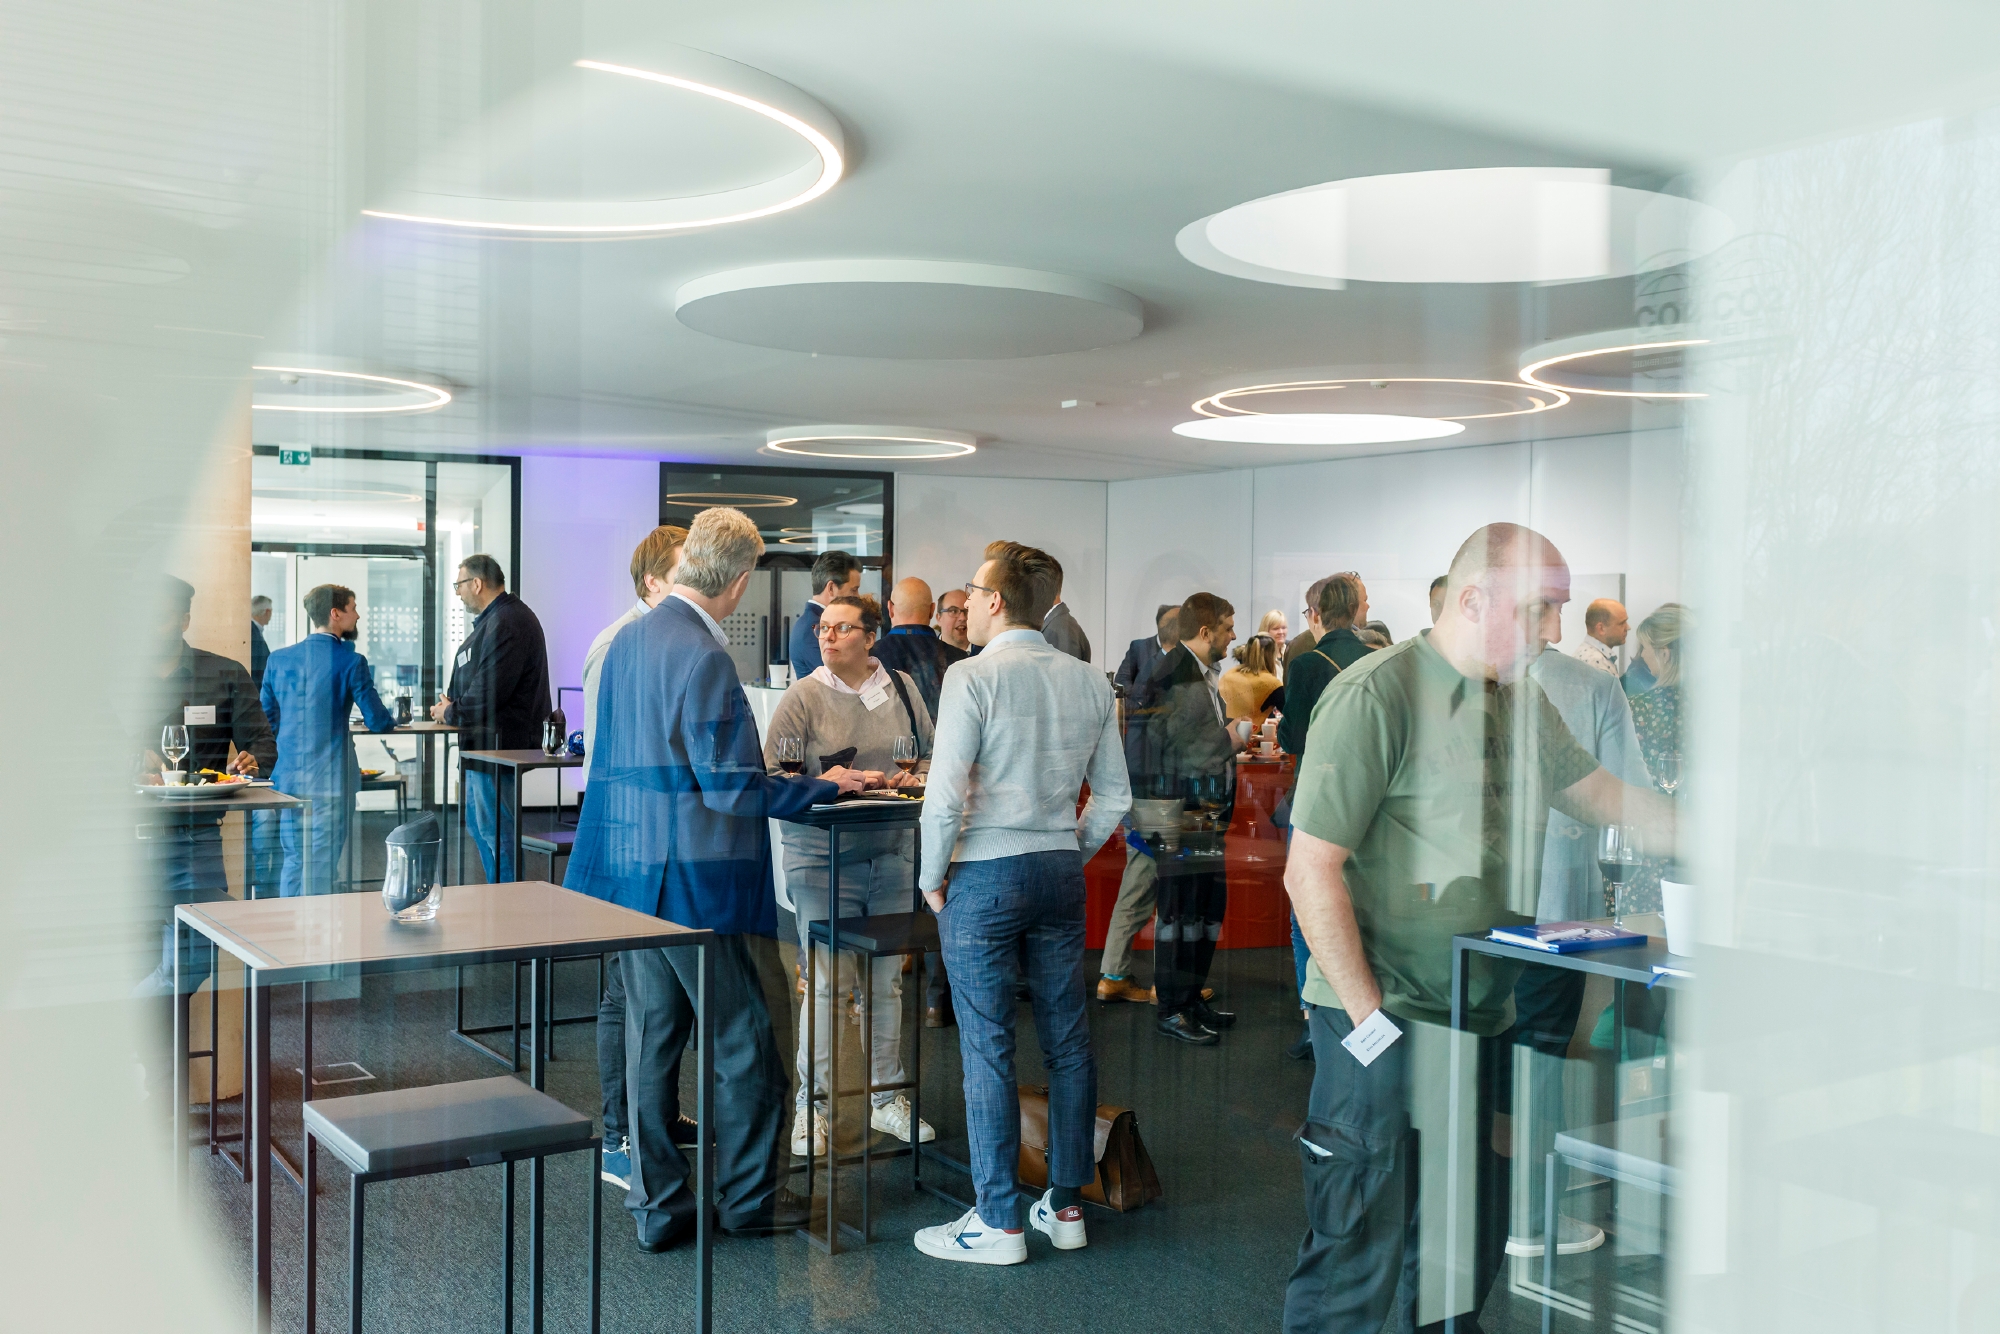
[
  {"x": 1594, "y": 708},
  {"x": 1020, "y": 729}
]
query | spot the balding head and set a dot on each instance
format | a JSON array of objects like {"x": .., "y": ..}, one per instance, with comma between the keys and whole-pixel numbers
[
  {"x": 910, "y": 603},
  {"x": 1605, "y": 621},
  {"x": 1502, "y": 603}
]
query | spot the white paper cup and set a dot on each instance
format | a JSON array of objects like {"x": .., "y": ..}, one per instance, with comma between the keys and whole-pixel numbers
[{"x": 1677, "y": 907}]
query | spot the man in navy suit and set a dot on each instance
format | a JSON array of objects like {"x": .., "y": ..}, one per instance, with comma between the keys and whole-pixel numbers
[{"x": 676, "y": 827}]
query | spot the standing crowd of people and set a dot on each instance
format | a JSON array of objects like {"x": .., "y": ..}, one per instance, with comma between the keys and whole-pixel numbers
[{"x": 1442, "y": 784}]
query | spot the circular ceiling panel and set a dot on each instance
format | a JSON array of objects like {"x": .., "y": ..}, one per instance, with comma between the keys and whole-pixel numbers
[
  {"x": 909, "y": 309},
  {"x": 355, "y": 393},
  {"x": 1480, "y": 225},
  {"x": 688, "y": 140},
  {"x": 1410, "y": 396},
  {"x": 1317, "y": 428},
  {"x": 870, "y": 442}
]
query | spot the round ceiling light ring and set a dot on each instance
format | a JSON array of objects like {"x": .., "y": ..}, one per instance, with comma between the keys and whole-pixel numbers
[
  {"x": 901, "y": 442},
  {"x": 1558, "y": 355},
  {"x": 1317, "y": 428},
  {"x": 611, "y": 218},
  {"x": 742, "y": 500},
  {"x": 432, "y": 398},
  {"x": 1217, "y": 404}
]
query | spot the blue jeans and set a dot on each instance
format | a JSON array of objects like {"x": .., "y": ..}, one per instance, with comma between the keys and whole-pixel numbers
[
  {"x": 993, "y": 909},
  {"x": 485, "y": 815},
  {"x": 320, "y": 852},
  {"x": 1300, "y": 956}
]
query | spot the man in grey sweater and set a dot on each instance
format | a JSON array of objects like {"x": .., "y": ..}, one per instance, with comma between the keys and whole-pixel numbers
[{"x": 1020, "y": 729}]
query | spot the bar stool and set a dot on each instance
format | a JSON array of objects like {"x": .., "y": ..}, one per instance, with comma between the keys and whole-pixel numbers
[
  {"x": 867, "y": 939},
  {"x": 556, "y": 843},
  {"x": 446, "y": 1128},
  {"x": 1632, "y": 1151}
]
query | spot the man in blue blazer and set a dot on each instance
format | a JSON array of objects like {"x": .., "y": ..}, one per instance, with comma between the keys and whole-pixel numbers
[{"x": 675, "y": 826}]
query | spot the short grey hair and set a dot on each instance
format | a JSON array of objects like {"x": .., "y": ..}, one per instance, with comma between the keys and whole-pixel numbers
[
  {"x": 259, "y": 603},
  {"x": 721, "y": 544}
]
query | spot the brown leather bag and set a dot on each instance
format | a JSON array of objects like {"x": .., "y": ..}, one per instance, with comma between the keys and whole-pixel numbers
[{"x": 1125, "y": 1175}]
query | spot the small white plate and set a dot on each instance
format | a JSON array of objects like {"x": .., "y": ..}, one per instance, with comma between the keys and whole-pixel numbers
[{"x": 190, "y": 792}]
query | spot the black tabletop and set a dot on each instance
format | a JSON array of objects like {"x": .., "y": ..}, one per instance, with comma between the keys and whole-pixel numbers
[
  {"x": 873, "y": 813},
  {"x": 522, "y": 760},
  {"x": 1632, "y": 963}
]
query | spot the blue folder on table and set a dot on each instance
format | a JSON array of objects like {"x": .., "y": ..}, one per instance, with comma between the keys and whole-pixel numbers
[{"x": 1566, "y": 937}]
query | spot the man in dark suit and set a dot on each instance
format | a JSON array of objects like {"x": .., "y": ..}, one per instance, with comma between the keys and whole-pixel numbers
[
  {"x": 260, "y": 651},
  {"x": 834, "y": 574},
  {"x": 1186, "y": 749},
  {"x": 1059, "y": 627},
  {"x": 498, "y": 696},
  {"x": 912, "y": 645},
  {"x": 1148, "y": 650},
  {"x": 676, "y": 826}
]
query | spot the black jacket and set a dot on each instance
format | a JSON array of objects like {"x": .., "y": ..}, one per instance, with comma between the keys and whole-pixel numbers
[
  {"x": 204, "y": 680},
  {"x": 1176, "y": 742},
  {"x": 916, "y": 649},
  {"x": 1059, "y": 627},
  {"x": 500, "y": 680},
  {"x": 1140, "y": 659},
  {"x": 1308, "y": 675}
]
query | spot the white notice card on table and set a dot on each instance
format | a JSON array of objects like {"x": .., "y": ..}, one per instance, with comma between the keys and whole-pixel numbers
[{"x": 1372, "y": 1038}]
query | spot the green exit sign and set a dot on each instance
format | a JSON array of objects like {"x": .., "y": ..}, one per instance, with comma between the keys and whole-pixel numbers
[{"x": 301, "y": 457}]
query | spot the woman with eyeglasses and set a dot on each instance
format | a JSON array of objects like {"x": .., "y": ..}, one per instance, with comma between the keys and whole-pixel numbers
[{"x": 852, "y": 711}]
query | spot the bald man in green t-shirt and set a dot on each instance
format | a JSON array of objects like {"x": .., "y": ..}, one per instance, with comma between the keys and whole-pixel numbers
[{"x": 1422, "y": 800}]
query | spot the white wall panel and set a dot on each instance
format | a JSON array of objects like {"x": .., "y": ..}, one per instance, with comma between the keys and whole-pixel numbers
[
  {"x": 1172, "y": 536},
  {"x": 943, "y": 524}
]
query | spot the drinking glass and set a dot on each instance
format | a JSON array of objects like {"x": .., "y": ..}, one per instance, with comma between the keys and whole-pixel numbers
[
  {"x": 174, "y": 744},
  {"x": 905, "y": 754},
  {"x": 1667, "y": 773},
  {"x": 1619, "y": 854},
  {"x": 792, "y": 754}
]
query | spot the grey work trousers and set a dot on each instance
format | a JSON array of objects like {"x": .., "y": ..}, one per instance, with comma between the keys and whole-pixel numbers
[{"x": 1137, "y": 893}]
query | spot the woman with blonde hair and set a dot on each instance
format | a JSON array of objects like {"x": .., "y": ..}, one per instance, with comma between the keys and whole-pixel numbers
[
  {"x": 1253, "y": 690},
  {"x": 1278, "y": 629}
]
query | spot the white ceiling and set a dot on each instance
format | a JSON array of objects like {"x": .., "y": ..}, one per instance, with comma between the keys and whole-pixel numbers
[{"x": 1076, "y": 139}]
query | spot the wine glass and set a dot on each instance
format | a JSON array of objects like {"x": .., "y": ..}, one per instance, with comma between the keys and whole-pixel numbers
[
  {"x": 792, "y": 754},
  {"x": 1618, "y": 857},
  {"x": 905, "y": 754},
  {"x": 174, "y": 743},
  {"x": 1667, "y": 772}
]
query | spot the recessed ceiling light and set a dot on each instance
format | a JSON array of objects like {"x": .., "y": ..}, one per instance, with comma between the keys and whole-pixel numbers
[
  {"x": 1569, "y": 358},
  {"x": 377, "y": 393},
  {"x": 1226, "y": 403},
  {"x": 1317, "y": 428},
  {"x": 774, "y": 100},
  {"x": 1481, "y": 225},
  {"x": 742, "y": 500},
  {"x": 870, "y": 442}
]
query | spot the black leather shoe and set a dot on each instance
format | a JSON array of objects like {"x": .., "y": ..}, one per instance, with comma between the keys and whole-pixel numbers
[
  {"x": 1302, "y": 1050},
  {"x": 686, "y": 1133},
  {"x": 1186, "y": 1028},
  {"x": 666, "y": 1241},
  {"x": 788, "y": 1213},
  {"x": 1212, "y": 1017},
  {"x": 939, "y": 1016}
]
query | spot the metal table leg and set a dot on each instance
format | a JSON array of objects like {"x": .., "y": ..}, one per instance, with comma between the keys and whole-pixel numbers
[
  {"x": 179, "y": 1082},
  {"x": 257, "y": 1159},
  {"x": 704, "y": 1153}
]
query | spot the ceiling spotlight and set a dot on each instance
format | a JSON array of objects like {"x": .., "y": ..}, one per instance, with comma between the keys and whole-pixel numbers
[
  {"x": 1540, "y": 399},
  {"x": 776, "y": 101},
  {"x": 870, "y": 442},
  {"x": 742, "y": 500},
  {"x": 1478, "y": 225},
  {"x": 380, "y": 393},
  {"x": 1317, "y": 428}
]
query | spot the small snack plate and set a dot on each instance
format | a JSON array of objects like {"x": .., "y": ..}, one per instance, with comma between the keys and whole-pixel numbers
[{"x": 192, "y": 792}]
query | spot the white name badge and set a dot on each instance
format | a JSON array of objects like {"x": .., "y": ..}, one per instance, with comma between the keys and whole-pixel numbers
[
  {"x": 198, "y": 715},
  {"x": 464, "y": 656},
  {"x": 1375, "y": 1036},
  {"x": 875, "y": 698}
]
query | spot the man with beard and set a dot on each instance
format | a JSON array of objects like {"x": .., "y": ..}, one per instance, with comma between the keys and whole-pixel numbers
[{"x": 309, "y": 690}]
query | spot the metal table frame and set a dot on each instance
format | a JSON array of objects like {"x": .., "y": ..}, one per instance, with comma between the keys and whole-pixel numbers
[
  {"x": 262, "y": 971},
  {"x": 426, "y": 733},
  {"x": 872, "y": 815},
  {"x": 1627, "y": 963}
]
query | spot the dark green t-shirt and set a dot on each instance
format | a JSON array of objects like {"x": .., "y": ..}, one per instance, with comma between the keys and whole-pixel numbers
[{"x": 1439, "y": 787}]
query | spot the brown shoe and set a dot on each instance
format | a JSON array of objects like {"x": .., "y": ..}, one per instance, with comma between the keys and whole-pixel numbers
[
  {"x": 1153, "y": 994},
  {"x": 1121, "y": 989},
  {"x": 939, "y": 1016}
]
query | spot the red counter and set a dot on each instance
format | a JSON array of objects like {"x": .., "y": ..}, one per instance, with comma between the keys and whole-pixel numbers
[{"x": 1259, "y": 916}]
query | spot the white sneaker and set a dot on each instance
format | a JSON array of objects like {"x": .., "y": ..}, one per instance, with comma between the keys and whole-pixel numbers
[
  {"x": 893, "y": 1117},
  {"x": 800, "y": 1147},
  {"x": 973, "y": 1242},
  {"x": 1066, "y": 1233},
  {"x": 1573, "y": 1237}
]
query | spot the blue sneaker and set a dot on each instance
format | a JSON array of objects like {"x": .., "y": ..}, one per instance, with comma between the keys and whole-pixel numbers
[{"x": 616, "y": 1164}]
